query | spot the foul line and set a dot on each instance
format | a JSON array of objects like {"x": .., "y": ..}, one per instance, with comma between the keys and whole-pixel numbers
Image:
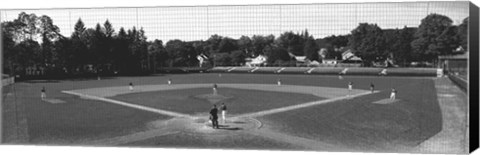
[
  {"x": 293, "y": 107},
  {"x": 163, "y": 112}
]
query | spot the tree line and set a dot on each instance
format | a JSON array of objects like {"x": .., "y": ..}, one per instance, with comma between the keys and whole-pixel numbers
[{"x": 34, "y": 43}]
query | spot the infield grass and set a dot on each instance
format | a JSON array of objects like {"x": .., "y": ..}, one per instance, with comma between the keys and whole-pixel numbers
[{"x": 239, "y": 101}]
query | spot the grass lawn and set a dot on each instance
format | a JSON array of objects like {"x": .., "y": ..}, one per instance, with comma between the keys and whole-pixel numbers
[
  {"x": 358, "y": 123},
  {"x": 240, "y": 100},
  {"x": 77, "y": 119}
]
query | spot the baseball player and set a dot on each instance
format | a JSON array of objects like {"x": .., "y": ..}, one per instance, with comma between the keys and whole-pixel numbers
[
  {"x": 130, "y": 86},
  {"x": 215, "y": 92},
  {"x": 43, "y": 94},
  {"x": 372, "y": 87},
  {"x": 224, "y": 113},
  {"x": 393, "y": 94},
  {"x": 350, "y": 87}
]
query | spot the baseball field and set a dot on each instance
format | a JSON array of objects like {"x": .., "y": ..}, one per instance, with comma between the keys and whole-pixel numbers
[{"x": 305, "y": 112}]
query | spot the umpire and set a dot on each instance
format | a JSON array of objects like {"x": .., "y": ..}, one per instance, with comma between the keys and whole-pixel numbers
[{"x": 214, "y": 116}]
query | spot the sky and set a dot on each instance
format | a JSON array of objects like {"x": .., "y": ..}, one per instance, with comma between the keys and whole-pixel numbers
[{"x": 200, "y": 22}]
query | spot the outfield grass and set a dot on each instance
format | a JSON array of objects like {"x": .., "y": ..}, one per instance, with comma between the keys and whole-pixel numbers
[
  {"x": 358, "y": 123},
  {"x": 241, "y": 101}
]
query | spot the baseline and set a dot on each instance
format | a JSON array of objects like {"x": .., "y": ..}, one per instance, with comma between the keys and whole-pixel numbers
[
  {"x": 163, "y": 112},
  {"x": 298, "y": 106}
]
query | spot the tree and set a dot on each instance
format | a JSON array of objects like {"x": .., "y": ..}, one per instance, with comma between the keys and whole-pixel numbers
[
  {"x": 245, "y": 44},
  {"x": 47, "y": 51},
  {"x": 227, "y": 45},
  {"x": 191, "y": 54},
  {"x": 259, "y": 44},
  {"x": 277, "y": 54},
  {"x": 29, "y": 27},
  {"x": 47, "y": 29},
  {"x": 100, "y": 48},
  {"x": 292, "y": 42},
  {"x": 431, "y": 38},
  {"x": 462, "y": 34},
  {"x": 138, "y": 61},
  {"x": 109, "y": 31},
  {"x": 311, "y": 49},
  {"x": 237, "y": 57},
  {"x": 78, "y": 29},
  {"x": 181, "y": 53},
  {"x": 121, "y": 51},
  {"x": 222, "y": 59},
  {"x": 337, "y": 41},
  {"x": 14, "y": 30},
  {"x": 65, "y": 58},
  {"x": 212, "y": 44},
  {"x": 26, "y": 49},
  {"x": 447, "y": 41},
  {"x": 8, "y": 42},
  {"x": 400, "y": 48},
  {"x": 157, "y": 51},
  {"x": 368, "y": 43}
]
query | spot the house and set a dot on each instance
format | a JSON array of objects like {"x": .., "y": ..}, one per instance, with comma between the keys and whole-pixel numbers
[
  {"x": 322, "y": 53},
  {"x": 301, "y": 59},
  {"x": 260, "y": 60},
  {"x": 349, "y": 56},
  {"x": 457, "y": 64},
  {"x": 202, "y": 60},
  {"x": 313, "y": 63},
  {"x": 330, "y": 61}
]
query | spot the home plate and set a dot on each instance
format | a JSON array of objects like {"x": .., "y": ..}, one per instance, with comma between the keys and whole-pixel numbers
[
  {"x": 385, "y": 101},
  {"x": 54, "y": 101}
]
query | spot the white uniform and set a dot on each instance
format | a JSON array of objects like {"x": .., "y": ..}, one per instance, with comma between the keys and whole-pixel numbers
[
  {"x": 169, "y": 82},
  {"x": 224, "y": 113},
  {"x": 215, "y": 92},
  {"x": 393, "y": 94},
  {"x": 43, "y": 96},
  {"x": 350, "y": 87},
  {"x": 279, "y": 82}
]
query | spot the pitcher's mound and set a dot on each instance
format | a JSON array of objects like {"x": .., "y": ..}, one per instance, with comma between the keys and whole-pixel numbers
[
  {"x": 213, "y": 98},
  {"x": 54, "y": 101},
  {"x": 385, "y": 101}
]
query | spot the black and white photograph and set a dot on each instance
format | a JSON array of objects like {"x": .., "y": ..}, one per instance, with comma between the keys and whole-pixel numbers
[{"x": 358, "y": 77}]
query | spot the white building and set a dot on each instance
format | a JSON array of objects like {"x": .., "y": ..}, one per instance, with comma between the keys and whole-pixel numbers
[
  {"x": 260, "y": 60},
  {"x": 348, "y": 55},
  {"x": 202, "y": 59}
]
